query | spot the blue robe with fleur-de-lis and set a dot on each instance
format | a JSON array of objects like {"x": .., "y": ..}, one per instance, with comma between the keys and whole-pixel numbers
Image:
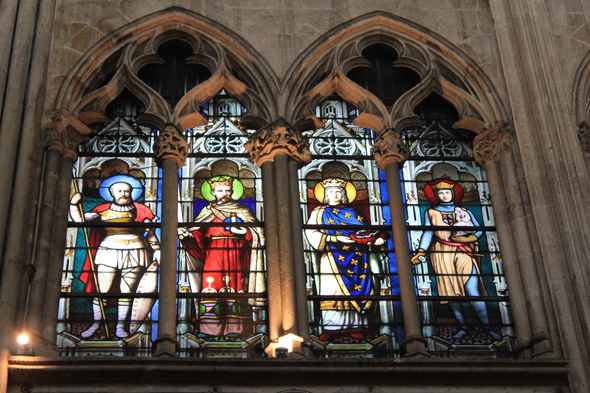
[{"x": 349, "y": 261}]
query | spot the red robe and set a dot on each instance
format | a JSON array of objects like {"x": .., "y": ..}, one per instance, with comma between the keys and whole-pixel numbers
[{"x": 96, "y": 237}]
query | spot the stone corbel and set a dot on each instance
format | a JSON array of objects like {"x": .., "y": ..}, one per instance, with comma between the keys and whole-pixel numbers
[
  {"x": 278, "y": 137},
  {"x": 491, "y": 144},
  {"x": 584, "y": 136},
  {"x": 66, "y": 132},
  {"x": 171, "y": 145},
  {"x": 389, "y": 147}
]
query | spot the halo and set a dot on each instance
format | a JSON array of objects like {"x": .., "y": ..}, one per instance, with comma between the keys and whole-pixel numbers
[
  {"x": 430, "y": 193},
  {"x": 136, "y": 186},
  {"x": 318, "y": 191},
  {"x": 237, "y": 188}
]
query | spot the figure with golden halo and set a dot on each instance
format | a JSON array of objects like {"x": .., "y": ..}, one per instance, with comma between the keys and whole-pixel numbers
[
  {"x": 453, "y": 252},
  {"x": 224, "y": 259},
  {"x": 346, "y": 267}
]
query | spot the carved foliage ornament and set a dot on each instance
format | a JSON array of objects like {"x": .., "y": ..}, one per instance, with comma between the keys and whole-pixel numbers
[
  {"x": 584, "y": 136},
  {"x": 66, "y": 132},
  {"x": 277, "y": 138},
  {"x": 491, "y": 144},
  {"x": 171, "y": 145},
  {"x": 389, "y": 147}
]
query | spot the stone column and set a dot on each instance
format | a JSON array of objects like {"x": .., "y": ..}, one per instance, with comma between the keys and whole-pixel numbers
[
  {"x": 279, "y": 145},
  {"x": 390, "y": 153},
  {"x": 63, "y": 135},
  {"x": 489, "y": 147},
  {"x": 171, "y": 150},
  {"x": 14, "y": 99}
]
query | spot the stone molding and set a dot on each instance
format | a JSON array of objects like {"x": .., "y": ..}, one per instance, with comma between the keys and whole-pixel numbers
[
  {"x": 66, "y": 132},
  {"x": 171, "y": 144},
  {"x": 584, "y": 136},
  {"x": 491, "y": 144},
  {"x": 389, "y": 147},
  {"x": 276, "y": 138}
]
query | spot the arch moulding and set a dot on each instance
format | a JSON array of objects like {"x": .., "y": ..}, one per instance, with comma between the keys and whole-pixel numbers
[{"x": 321, "y": 69}]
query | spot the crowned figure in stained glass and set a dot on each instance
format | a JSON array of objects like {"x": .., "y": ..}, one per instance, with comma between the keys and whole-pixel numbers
[
  {"x": 346, "y": 266},
  {"x": 225, "y": 258}
]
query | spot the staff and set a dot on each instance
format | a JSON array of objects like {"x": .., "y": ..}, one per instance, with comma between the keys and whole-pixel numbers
[{"x": 91, "y": 257}]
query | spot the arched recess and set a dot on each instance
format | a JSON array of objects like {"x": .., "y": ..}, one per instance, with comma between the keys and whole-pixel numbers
[
  {"x": 112, "y": 64},
  {"x": 321, "y": 71}
]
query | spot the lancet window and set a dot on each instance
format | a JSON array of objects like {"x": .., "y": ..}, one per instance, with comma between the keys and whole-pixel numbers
[
  {"x": 353, "y": 292},
  {"x": 110, "y": 269},
  {"x": 458, "y": 271},
  {"x": 221, "y": 261}
]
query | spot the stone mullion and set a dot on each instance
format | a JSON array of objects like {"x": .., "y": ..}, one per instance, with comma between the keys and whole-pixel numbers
[
  {"x": 490, "y": 148},
  {"x": 390, "y": 152},
  {"x": 273, "y": 276},
  {"x": 56, "y": 257},
  {"x": 298, "y": 257},
  {"x": 288, "y": 304},
  {"x": 171, "y": 150},
  {"x": 273, "y": 149}
]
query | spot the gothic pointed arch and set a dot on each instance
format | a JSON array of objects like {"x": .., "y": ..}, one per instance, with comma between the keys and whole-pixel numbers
[
  {"x": 114, "y": 63},
  {"x": 325, "y": 68}
]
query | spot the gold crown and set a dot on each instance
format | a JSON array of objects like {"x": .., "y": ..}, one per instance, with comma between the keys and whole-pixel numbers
[
  {"x": 221, "y": 182},
  {"x": 334, "y": 183},
  {"x": 442, "y": 185}
]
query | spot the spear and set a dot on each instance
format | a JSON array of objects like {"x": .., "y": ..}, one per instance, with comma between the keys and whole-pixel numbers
[{"x": 91, "y": 257}]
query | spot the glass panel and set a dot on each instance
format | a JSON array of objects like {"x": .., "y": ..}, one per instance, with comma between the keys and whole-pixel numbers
[
  {"x": 222, "y": 273},
  {"x": 111, "y": 263},
  {"x": 352, "y": 285},
  {"x": 459, "y": 269}
]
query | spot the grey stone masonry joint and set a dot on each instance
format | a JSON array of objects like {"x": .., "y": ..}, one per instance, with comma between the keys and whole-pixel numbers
[
  {"x": 389, "y": 147},
  {"x": 66, "y": 131},
  {"x": 491, "y": 144},
  {"x": 278, "y": 137}
]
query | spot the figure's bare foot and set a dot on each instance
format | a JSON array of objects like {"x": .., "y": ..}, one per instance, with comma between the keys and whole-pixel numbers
[{"x": 90, "y": 331}]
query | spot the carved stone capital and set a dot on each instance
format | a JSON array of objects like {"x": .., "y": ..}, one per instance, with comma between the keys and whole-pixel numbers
[
  {"x": 584, "y": 136},
  {"x": 278, "y": 137},
  {"x": 66, "y": 132},
  {"x": 389, "y": 147},
  {"x": 491, "y": 144},
  {"x": 171, "y": 145}
]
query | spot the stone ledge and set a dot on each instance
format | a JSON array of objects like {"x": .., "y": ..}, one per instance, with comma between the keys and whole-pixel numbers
[{"x": 106, "y": 370}]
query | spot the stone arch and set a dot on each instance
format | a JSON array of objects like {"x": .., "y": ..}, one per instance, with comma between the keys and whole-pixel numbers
[
  {"x": 234, "y": 64},
  {"x": 581, "y": 91},
  {"x": 321, "y": 70}
]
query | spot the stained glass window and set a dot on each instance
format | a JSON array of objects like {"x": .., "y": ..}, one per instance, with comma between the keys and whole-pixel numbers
[
  {"x": 353, "y": 291},
  {"x": 458, "y": 271},
  {"x": 221, "y": 280},
  {"x": 111, "y": 264}
]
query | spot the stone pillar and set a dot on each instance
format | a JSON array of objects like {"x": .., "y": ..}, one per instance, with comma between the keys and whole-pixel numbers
[
  {"x": 56, "y": 257},
  {"x": 63, "y": 135},
  {"x": 8, "y": 10},
  {"x": 488, "y": 149},
  {"x": 274, "y": 148},
  {"x": 171, "y": 150},
  {"x": 390, "y": 153},
  {"x": 556, "y": 175},
  {"x": 14, "y": 99}
]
